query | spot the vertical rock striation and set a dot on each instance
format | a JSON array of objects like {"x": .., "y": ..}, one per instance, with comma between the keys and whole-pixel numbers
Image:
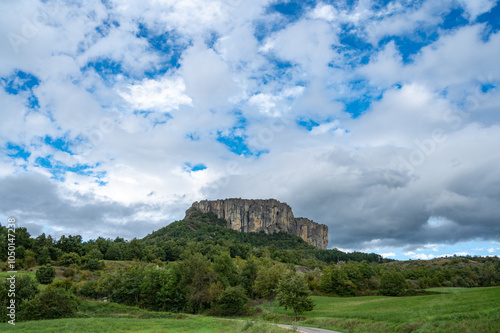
[{"x": 268, "y": 215}]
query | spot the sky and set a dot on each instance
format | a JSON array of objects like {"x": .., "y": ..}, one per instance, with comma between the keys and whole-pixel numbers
[{"x": 380, "y": 119}]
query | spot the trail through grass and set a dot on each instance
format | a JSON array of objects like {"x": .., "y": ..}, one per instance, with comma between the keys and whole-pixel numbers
[{"x": 459, "y": 310}]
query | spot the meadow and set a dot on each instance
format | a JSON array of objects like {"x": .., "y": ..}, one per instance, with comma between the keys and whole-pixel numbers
[
  {"x": 191, "y": 324},
  {"x": 111, "y": 317},
  {"x": 471, "y": 310}
]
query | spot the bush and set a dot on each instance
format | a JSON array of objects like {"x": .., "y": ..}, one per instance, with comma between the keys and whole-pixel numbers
[
  {"x": 68, "y": 259},
  {"x": 26, "y": 289},
  {"x": 94, "y": 265},
  {"x": 392, "y": 284},
  {"x": 88, "y": 289},
  {"x": 69, "y": 272},
  {"x": 45, "y": 274},
  {"x": 233, "y": 301},
  {"x": 53, "y": 303}
]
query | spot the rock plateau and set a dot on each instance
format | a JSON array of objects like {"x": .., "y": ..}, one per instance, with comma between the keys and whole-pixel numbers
[{"x": 268, "y": 215}]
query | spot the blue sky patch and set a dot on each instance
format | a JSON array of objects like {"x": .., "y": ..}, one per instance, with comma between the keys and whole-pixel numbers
[
  {"x": 308, "y": 124},
  {"x": 492, "y": 20},
  {"x": 61, "y": 144},
  {"x": 487, "y": 87},
  {"x": 16, "y": 151},
  {"x": 59, "y": 170},
  {"x": 193, "y": 168},
  {"x": 106, "y": 68},
  {"x": 106, "y": 27},
  {"x": 410, "y": 46},
  {"x": 355, "y": 50},
  {"x": 292, "y": 9},
  {"x": 19, "y": 81},
  {"x": 357, "y": 107},
  {"x": 455, "y": 18},
  {"x": 235, "y": 144},
  {"x": 169, "y": 44}
]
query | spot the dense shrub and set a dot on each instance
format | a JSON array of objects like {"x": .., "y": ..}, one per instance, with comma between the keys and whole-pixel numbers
[
  {"x": 233, "y": 301},
  {"x": 88, "y": 289},
  {"x": 392, "y": 284},
  {"x": 68, "y": 259},
  {"x": 52, "y": 303},
  {"x": 45, "y": 274},
  {"x": 26, "y": 289},
  {"x": 94, "y": 265}
]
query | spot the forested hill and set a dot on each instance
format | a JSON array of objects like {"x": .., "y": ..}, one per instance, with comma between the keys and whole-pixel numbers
[
  {"x": 206, "y": 227},
  {"x": 203, "y": 232}
]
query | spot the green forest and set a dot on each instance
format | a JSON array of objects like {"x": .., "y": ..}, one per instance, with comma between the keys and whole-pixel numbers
[{"x": 197, "y": 265}]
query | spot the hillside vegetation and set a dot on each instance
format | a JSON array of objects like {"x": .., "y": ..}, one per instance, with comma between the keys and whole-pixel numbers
[{"x": 198, "y": 266}]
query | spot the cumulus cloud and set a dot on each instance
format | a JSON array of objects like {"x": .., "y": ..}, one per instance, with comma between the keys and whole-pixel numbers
[
  {"x": 166, "y": 94},
  {"x": 124, "y": 97}
]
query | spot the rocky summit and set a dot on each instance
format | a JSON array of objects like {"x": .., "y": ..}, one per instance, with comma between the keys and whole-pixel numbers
[{"x": 268, "y": 215}]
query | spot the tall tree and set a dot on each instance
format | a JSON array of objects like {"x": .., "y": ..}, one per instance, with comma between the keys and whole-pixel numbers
[
  {"x": 292, "y": 292},
  {"x": 267, "y": 281}
]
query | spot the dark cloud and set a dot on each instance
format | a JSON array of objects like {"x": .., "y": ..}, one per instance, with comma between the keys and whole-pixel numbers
[{"x": 39, "y": 205}]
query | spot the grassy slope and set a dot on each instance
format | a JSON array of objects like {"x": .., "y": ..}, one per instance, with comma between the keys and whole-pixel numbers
[
  {"x": 111, "y": 317},
  {"x": 191, "y": 324},
  {"x": 464, "y": 310}
]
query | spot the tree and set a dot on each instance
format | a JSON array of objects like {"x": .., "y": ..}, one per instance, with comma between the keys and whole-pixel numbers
[
  {"x": 29, "y": 259},
  {"x": 225, "y": 269},
  {"x": 335, "y": 281},
  {"x": 70, "y": 244},
  {"x": 114, "y": 252},
  {"x": 94, "y": 265},
  {"x": 197, "y": 281},
  {"x": 292, "y": 292},
  {"x": 43, "y": 256},
  {"x": 26, "y": 289},
  {"x": 249, "y": 274},
  {"x": 68, "y": 259},
  {"x": 45, "y": 274},
  {"x": 392, "y": 284},
  {"x": 133, "y": 250},
  {"x": 52, "y": 303},
  {"x": 233, "y": 301},
  {"x": 267, "y": 281}
]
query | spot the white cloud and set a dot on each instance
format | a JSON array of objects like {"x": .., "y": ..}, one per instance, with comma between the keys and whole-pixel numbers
[
  {"x": 476, "y": 7},
  {"x": 388, "y": 255},
  {"x": 229, "y": 82},
  {"x": 423, "y": 256},
  {"x": 295, "y": 42},
  {"x": 161, "y": 95}
]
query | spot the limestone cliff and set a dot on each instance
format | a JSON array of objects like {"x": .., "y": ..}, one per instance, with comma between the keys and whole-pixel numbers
[{"x": 269, "y": 216}]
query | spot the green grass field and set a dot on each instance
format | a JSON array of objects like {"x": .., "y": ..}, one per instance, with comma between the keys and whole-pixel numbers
[
  {"x": 459, "y": 310},
  {"x": 112, "y": 317},
  {"x": 474, "y": 310},
  {"x": 189, "y": 324}
]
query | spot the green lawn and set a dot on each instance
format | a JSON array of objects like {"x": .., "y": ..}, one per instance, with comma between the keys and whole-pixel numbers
[
  {"x": 112, "y": 317},
  {"x": 190, "y": 324},
  {"x": 459, "y": 310}
]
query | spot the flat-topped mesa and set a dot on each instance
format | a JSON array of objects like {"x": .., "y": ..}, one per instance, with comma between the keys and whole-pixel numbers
[{"x": 268, "y": 215}]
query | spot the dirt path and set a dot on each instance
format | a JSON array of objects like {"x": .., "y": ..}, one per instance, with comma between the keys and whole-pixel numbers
[{"x": 305, "y": 329}]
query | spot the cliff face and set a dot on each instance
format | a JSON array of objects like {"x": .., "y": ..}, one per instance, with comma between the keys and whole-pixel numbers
[{"x": 269, "y": 216}]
